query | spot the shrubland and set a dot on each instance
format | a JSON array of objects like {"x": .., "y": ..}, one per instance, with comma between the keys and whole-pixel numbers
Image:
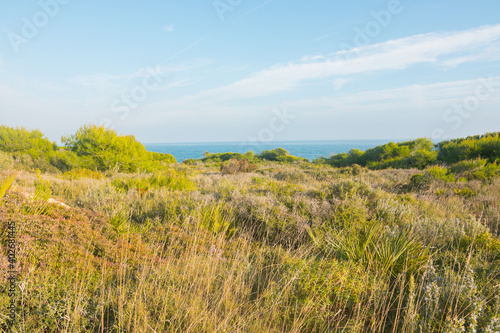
[
  {"x": 91, "y": 147},
  {"x": 240, "y": 243},
  {"x": 420, "y": 153}
]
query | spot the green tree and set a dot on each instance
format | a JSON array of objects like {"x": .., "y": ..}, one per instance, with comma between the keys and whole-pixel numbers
[{"x": 102, "y": 149}]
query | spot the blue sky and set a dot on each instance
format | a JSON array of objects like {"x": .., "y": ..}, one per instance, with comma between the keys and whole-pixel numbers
[{"x": 260, "y": 70}]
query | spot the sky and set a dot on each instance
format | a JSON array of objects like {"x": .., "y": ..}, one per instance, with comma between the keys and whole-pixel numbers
[{"x": 252, "y": 70}]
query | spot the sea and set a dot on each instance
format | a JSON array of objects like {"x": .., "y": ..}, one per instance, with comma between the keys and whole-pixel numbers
[{"x": 306, "y": 149}]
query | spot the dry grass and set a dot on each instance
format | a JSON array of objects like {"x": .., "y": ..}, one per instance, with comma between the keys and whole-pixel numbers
[{"x": 252, "y": 252}]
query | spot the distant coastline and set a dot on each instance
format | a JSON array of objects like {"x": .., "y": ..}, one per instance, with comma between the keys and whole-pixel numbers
[{"x": 306, "y": 149}]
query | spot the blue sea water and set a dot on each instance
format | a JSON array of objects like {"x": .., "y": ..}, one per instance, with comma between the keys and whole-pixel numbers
[{"x": 306, "y": 149}]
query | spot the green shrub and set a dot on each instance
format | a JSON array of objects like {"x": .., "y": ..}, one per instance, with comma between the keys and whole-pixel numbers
[
  {"x": 289, "y": 159},
  {"x": 64, "y": 160},
  {"x": 489, "y": 172},
  {"x": 439, "y": 172},
  {"x": 476, "y": 169},
  {"x": 273, "y": 155},
  {"x": 420, "y": 182},
  {"x": 485, "y": 146},
  {"x": 468, "y": 166},
  {"x": 21, "y": 140},
  {"x": 222, "y": 157},
  {"x": 102, "y": 149},
  {"x": 410, "y": 154},
  {"x": 465, "y": 192}
]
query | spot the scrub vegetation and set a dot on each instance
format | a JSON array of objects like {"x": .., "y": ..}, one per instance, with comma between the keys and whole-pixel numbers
[{"x": 403, "y": 237}]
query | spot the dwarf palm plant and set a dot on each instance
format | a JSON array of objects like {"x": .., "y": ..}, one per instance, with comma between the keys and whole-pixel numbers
[{"x": 6, "y": 184}]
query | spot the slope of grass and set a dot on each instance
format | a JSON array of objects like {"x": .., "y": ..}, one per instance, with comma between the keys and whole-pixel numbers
[{"x": 286, "y": 248}]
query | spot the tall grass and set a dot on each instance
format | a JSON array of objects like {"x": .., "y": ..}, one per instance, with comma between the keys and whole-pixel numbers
[{"x": 283, "y": 249}]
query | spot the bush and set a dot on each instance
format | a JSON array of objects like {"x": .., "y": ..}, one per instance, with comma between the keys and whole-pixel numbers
[
  {"x": 222, "y": 157},
  {"x": 235, "y": 166},
  {"x": 21, "y": 140},
  {"x": 439, "y": 172},
  {"x": 465, "y": 192},
  {"x": 480, "y": 146},
  {"x": 410, "y": 154},
  {"x": 476, "y": 169},
  {"x": 64, "y": 160},
  {"x": 273, "y": 155},
  {"x": 419, "y": 182},
  {"x": 102, "y": 149}
]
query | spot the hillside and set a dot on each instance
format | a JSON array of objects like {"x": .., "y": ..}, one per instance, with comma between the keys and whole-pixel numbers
[{"x": 249, "y": 243}]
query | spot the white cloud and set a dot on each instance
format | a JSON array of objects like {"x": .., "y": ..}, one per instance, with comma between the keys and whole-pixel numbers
[
  {"x": 432, "y": 48},
  {"x": 427, "y": 98},
  {"x": 113, "y": 81},
  {"x": 491, "y": 53},
  {"x": 339, "y": 83}
]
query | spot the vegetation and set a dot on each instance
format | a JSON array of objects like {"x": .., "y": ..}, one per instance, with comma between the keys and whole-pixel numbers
[
  {"x": 91, "y": 147},
  {"x": 420, "y": 153},
  {"x": 275, "y": 155},
  {"x": 410, "y": 154},
  {"x": 251, "y": 243},
  {"x": 480, "y": 146},
  {"x": 101, "y": 149}
]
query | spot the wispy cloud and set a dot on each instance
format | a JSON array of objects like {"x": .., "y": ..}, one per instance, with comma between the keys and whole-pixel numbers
[
  {"x": 321, "y": 38},
  {"x": 491, "y": 53},
  {"x": 339, "y": 83},
  {"x": 113, "y": 81},
  {"x": 427, "y": 98},
  {"x": 441, "y": 49}
]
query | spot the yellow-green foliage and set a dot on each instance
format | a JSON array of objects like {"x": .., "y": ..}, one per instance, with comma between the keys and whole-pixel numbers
[
  {"x": 466, "y": 192},
  {"x": 82, "y": 173},
  {"x": 6, "y": 184},
  {"x": 476, "y": 169},
  {"x": 410, "y": 154},
  {"x": 91, "y": 147},
  {"x": 485, "y": 146},
  {"x": 217, "y": 218},
  {"x": 383, "y": 250},
  {"x": 21, "y": 140},
  {"x": 99, "y": 148},
  {"x": 439, "y": 172},
  {"x": 169, "y": 179}
]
